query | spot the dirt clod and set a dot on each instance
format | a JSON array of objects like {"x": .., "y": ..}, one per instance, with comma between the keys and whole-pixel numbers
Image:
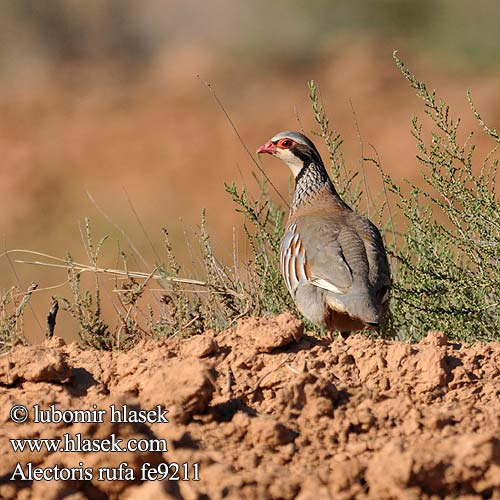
[
  {"x": 200, "y": 346},
  {"x": 34, "y": 364},
  {"x": 271, "y": 333}
]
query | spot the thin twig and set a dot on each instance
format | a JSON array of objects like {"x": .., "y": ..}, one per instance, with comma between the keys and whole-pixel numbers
[
  {"x": 369, "y": 198},
  {"x": 120, "y": 229},
  {"x": 382, "y": 174},
  {"x": 88, "y": 251},
  {"x": 233, "y": 126},
  {"x": 263, "y": 377},
  {"x": 298, "y": 118},
  {"x": 141, "y": 225},
  {"x": 187, "y": 325},
  {"x": 293, "y": 370},
  {"x": 44, "y": 289},
  {"x": 6, "y": 253}
]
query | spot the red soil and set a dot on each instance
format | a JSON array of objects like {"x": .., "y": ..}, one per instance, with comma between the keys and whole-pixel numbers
[{"x": 268, "y": 412}]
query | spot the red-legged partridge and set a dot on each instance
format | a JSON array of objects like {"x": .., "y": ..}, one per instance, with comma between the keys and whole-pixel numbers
[{"x": 332, "y": 259}]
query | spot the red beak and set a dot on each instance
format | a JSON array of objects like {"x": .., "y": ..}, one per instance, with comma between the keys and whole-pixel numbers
[{"x": 268, "y": 147}]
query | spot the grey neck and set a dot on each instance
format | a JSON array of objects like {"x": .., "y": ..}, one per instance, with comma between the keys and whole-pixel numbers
[{"x": 311, "y": 179}]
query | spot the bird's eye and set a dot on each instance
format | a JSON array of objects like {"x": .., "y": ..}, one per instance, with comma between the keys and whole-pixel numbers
[{"x": 285, "y": 143}]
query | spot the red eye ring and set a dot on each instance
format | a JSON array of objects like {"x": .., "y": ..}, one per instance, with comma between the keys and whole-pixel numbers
[{"x": 285, "y": 143}]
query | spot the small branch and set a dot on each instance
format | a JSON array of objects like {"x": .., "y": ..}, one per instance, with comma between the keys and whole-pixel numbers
[
  {"x": 187, "y": 325},
  {"x": 24, "y": 301}
]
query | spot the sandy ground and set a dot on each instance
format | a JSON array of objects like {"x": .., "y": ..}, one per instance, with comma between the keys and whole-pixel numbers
[{"x": 266, "y": 412}]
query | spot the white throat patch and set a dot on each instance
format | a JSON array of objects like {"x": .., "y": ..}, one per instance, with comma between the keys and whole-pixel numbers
[{"x": 294, "y": 164}]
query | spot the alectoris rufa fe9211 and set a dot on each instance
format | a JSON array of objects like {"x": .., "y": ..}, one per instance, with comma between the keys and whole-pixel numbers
[{"x": 332, "y": 259}]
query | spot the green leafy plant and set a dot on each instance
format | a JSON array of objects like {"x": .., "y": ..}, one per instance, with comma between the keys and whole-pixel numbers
[
  {"x": 12, "y": 305},
  {"x": 85, "y": 306},
  {"x": 263, "y": 226},
  {"x": 447, "y": 256}
]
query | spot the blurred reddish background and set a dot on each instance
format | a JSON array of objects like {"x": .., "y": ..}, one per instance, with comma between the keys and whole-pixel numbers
[{"x": 108, "y": 98}]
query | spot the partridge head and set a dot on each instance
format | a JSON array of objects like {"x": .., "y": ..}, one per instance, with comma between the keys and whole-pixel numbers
[{"x": 332, "y": 259}]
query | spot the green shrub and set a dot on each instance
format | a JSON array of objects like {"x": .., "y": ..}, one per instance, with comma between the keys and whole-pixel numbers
[{"x": 447, "y": 257}]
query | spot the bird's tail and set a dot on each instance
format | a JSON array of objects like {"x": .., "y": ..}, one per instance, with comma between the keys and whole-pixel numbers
[{"x": 358, "y": 306}]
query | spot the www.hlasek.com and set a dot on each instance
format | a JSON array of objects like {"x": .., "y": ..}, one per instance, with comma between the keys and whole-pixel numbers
[{"x": 70, "y": 443}]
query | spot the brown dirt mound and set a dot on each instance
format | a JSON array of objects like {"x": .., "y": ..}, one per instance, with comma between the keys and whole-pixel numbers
[{"x": 267, "y": 412}]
